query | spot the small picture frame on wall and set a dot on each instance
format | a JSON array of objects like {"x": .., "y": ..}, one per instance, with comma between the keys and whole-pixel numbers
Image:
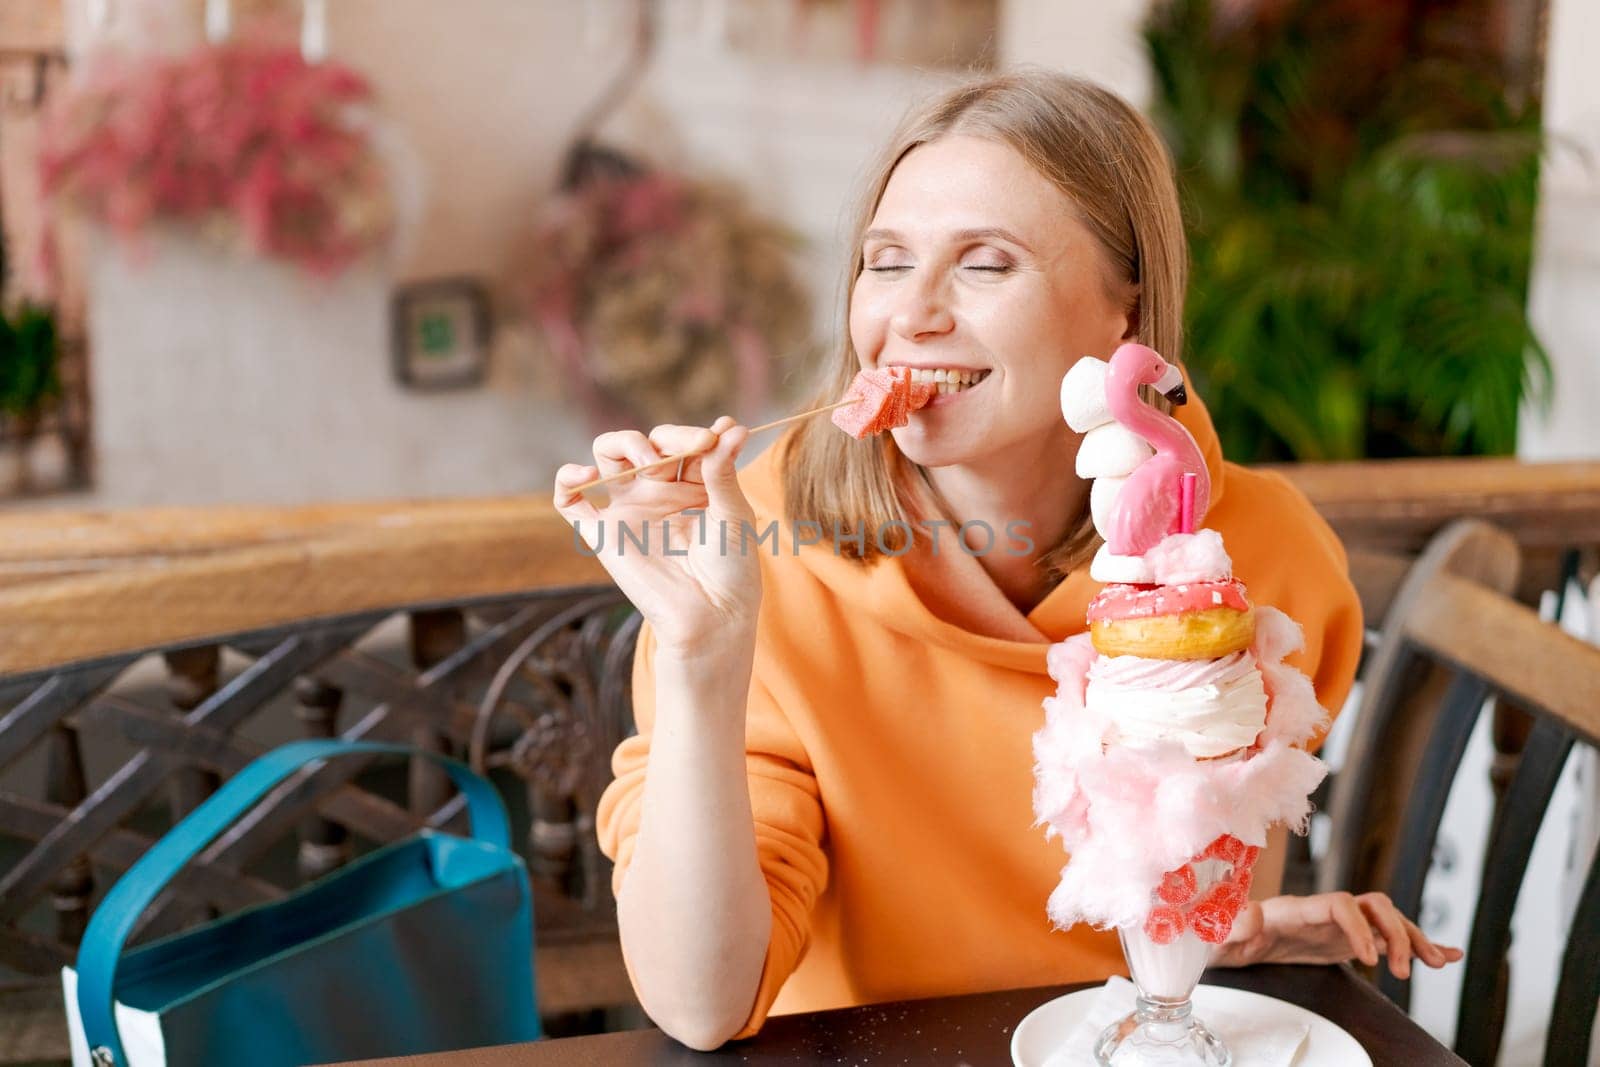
[{"x": 440, "y": 332}]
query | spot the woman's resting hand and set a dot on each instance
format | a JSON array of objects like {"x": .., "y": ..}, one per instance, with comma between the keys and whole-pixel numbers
[
  {"x": 1329, "y": 928},
  {"x": 693, "y": 583}
]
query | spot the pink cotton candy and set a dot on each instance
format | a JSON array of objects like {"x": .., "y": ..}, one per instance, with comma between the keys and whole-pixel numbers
[
  {"x": 1127, "y": 816},
  {"x": 1070, "y": 659},
  {"x": 1277, "y": 635},
  {"x": 1196, "y": 557},
  {"x": 1293, "y": 714}
]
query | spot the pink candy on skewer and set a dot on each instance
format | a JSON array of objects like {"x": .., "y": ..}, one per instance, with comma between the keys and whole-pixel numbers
[
  {"x": 877, "y": 400},
  {"x": 883, "y": 399}
]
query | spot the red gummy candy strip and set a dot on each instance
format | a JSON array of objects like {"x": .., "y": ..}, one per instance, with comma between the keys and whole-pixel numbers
[
  {"x": 1227, "y": 848},
  {"x": 1178, "y": 887},
  {"x": 1164, "y": 925},
  {"x": 1229, "y": 895},
  {"x": 1211, "y": 922}
]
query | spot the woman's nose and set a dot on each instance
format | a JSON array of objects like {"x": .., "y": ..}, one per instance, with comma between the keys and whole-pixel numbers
[{"x": 922, "y": 309}]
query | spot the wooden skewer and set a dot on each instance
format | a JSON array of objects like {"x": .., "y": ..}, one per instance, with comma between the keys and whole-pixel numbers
[{"x": 667, "y": 461}]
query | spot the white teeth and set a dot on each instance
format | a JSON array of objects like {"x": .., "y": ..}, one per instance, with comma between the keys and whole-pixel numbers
[{"x": 947, "y": 380}]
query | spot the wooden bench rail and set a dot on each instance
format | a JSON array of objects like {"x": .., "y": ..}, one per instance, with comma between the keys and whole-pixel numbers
[
  {"x": 202, "y": 588},
  {"x": 75, "y": 586}
]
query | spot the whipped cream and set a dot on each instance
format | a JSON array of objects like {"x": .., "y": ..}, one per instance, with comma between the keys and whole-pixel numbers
[{"x": 1210, "y": 707}]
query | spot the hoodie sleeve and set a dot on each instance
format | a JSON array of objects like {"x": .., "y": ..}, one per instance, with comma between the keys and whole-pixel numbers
[
  {"x": 784, "y": 801},
  {"x": 1297, "y": 564}
]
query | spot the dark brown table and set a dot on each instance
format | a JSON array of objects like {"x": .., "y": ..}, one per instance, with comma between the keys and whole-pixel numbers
[{"x": 974, "y": 1029}]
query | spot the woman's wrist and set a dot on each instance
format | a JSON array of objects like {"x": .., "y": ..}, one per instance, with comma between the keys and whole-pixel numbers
[
  {"x": 732, "y": 643},
  {"x": 732, "y": 652},
  {"x": 709, "y": 682}
]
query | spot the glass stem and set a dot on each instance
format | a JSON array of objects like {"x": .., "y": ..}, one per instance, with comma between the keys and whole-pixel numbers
[{"x": 1166, "y": 1019}]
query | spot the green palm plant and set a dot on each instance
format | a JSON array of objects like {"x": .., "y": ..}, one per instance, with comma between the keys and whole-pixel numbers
[
  {"x": 28, "y": 366},
  {"x": 1360, "y": 261},
  {"x": 29, "y": 371}
]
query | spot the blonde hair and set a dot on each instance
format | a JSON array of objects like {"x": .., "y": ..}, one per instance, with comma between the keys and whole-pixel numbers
[{"x": 1109, "y": 161}]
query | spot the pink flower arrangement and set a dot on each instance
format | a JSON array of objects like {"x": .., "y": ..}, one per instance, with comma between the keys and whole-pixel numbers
[
  {"x": 244, "y": 140},
  {"x": 665, "y": 298}
]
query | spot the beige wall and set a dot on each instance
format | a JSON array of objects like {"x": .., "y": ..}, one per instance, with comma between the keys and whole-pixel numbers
[
  {"x": 24, "y": 24},
  {"x": 1564, "y": 301},
  {"x": 1097, "y": 40},
  {"x": 486, "y": 93}
]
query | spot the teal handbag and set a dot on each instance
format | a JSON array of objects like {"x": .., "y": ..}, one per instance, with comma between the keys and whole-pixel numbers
[{"x": 425, "y": 945}]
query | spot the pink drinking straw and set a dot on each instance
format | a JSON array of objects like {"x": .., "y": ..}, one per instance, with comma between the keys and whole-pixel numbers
[{"x": 1186, "y": 503}]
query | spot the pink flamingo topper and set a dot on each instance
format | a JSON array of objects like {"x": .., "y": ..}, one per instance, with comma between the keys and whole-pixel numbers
[{"x": 1150, "y": 504}]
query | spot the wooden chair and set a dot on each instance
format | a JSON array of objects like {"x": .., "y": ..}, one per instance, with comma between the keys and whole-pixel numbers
[
  {"x": 1400, "y": 687},
  {"x": 1453, "y": 644}
]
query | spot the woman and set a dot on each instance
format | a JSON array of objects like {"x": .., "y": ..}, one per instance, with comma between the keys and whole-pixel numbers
[{"x": 836, "y": 723}]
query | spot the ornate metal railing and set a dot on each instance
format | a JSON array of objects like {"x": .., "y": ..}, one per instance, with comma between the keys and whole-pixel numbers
[{"x": 532, "y": 689}]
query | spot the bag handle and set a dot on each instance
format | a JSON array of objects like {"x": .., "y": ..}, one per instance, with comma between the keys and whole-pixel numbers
[{"x": 113, "y": 921}]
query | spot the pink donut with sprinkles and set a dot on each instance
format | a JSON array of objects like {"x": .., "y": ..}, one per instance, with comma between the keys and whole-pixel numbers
[{"x": 1117, "y": 602}]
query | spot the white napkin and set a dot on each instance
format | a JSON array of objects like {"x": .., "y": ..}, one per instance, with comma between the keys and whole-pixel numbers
[{"x": 1254, "y": 1041}]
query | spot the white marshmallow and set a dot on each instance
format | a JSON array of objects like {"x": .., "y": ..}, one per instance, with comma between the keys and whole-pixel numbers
[
  {"x": 1083, "y": 394},
  {"x": 1102, "y": 499},
  {"x": 1106, "y": 567},
  {"x": 1111, "y": 451}
]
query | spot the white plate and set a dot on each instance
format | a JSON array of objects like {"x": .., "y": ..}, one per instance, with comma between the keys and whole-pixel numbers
[{"x": 1044, "y": 1029}]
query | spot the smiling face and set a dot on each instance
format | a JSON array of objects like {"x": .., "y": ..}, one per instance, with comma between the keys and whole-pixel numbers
[{"x": 975, "y": 263}]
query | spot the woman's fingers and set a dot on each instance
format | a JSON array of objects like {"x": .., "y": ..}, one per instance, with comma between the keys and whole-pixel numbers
[
  {"x": 1382, "y": 913},
  {"x": 1434, "y": 955},
  {"x": 721, "y": 474},
  {"x": 708, "y": 455},
  {"x": 1357, "y": 931},
  {"x": 692, "y": 441},
  {"x": 572, "y": 505},
  {"x": 1244, "y": 944},
  {"x": 621, "y": 449},
  {"x": 1333, "y": 927}
]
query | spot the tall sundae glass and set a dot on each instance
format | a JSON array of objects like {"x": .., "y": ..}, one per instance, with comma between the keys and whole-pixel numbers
[{"x": 1177, "y": 734}]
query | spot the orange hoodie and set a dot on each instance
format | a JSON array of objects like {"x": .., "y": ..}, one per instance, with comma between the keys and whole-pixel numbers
[{"x": 891, "y": 713}]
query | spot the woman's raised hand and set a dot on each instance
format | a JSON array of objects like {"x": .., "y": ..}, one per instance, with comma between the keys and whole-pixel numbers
[
  {"x": 1330, "y": 928},
  {"x": 691, "y": 580}
]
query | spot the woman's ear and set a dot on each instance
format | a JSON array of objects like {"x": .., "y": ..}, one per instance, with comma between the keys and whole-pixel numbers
[{"x": 1133, "y": 304}]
